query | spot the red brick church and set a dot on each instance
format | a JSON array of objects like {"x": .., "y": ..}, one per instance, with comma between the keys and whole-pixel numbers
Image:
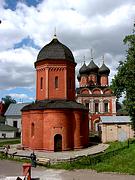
[
  {"x": 94, "y": 92},
  {"x": 55, "y": 122}
]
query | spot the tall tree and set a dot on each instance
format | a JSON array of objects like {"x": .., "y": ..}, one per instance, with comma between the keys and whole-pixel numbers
[
  {"x": 124, "y": 80},
  {"x": 8, "y": 100}
]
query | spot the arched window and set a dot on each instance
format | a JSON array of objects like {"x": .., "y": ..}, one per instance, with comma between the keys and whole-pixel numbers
[
  {"x": 56, "y": 82},
  {"x": 32, "y": 129},
  {"x": 41, "y": 83}
]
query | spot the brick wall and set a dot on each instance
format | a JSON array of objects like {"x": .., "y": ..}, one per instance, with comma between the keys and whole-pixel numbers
[
  {"x": 72, "y": 125},
  {"x": 64, "y": 71}
]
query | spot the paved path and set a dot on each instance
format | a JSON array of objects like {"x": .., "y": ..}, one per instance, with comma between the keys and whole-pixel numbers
[
  {"x": 11, "y": 168},
  {"x": 59, "y": 156}
]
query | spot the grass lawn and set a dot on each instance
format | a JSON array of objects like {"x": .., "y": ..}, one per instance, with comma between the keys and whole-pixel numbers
[
  {"x": 122, "y": 162},
  {"x": 9, "y": 141}
]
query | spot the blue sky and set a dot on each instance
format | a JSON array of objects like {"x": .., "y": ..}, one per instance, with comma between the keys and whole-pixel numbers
[
  {"x": 27, "y": 25},
  {"x": 11, "y": 4},
  {"x": 26, "y": 42}
]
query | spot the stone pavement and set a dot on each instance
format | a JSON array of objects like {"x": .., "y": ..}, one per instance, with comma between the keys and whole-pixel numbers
[{"x": 61, "y": 156}]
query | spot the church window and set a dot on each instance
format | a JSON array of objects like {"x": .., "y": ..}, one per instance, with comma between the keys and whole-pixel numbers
[
  {"x": 87, "y": 105},
  {"x": 56, "y": 82},
  {"x": 32, "y": 129},
  {"x": 106, "y": 107},
  {"x": 41, "y": 83},
  {"x": 96, "y": 107}
]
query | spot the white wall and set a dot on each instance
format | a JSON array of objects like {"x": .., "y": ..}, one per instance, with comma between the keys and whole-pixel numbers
[
  {"x": 9, "y": 121},
  {"x": 9, "y": 134},
  {"x": 113, "y": 132}
]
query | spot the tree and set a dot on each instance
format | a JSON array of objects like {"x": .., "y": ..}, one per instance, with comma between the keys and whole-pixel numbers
[
  {"x": 124, "y": 80},
  {"x": 8, "y": 100}
]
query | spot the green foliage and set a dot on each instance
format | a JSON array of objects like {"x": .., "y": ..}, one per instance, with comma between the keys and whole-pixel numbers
[
  {"x": 8, "y": 100},
  {"x": 124, "y": 80},
  {"x": 24, "y": 160},
  {"x": 4, "y": 142}
]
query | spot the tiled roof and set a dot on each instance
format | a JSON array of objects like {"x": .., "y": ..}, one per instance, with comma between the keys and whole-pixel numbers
[
  {"x": 115, "y": 119},
  {"x": 54, "y": 104},
  {"x": 15, "y": 109},
  {"x": 7, "y": 128},
  {"x": 55, "y": 50}
]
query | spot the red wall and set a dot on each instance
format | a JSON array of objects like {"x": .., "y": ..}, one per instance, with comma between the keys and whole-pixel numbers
[
  {"x": 84, "y": 81},
  {"x": 2, "y": 109},
  {"x": 104, "y": 80},
  {"x": 65, "y": 71},
  {"x": 71, "y": 124}
]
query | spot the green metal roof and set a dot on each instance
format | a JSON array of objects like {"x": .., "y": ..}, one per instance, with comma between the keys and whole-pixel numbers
[{"x": 7, "y": 128}]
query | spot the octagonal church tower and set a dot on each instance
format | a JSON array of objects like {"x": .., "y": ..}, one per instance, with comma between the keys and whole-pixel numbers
[{"x": 55, "y": 122}]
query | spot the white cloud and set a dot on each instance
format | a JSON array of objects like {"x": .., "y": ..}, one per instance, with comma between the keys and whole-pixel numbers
[
  {"x": 21, "y": 56},
  {"x": 81, "y": 25},
  {"x": 20, "y": 96},
  {"x": 17, "y": 68}
]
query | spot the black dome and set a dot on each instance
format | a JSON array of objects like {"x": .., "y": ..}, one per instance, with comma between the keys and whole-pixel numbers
[
  {"x": 92, "y": 67},
  {"x": 83, "y": 69},
  {"x": 55, "y": 50},
  {"x": 104, "y": 69},
  {"x": 79, "y": 77}
]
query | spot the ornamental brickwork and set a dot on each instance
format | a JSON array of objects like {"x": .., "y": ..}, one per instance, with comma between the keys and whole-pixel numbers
[{"x": 94, "y": 92}]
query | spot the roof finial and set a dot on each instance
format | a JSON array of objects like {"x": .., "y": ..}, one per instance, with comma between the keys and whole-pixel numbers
[
  {"x": 91, "y": 53},
  {"x": 84, "y": 59},
  {"x": 55, "y": 37},
  {"x": 103, "y": 58}
]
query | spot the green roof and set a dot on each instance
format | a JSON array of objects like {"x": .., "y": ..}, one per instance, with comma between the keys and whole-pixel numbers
[{"x": 7, "y": 128}]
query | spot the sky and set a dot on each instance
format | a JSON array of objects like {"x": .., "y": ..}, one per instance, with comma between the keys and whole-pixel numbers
[{"x": 82, "y": 25}]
